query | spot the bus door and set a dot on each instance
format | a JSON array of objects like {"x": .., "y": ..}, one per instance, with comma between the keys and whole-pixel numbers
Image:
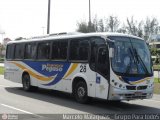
[{"x": 102, "y": 72}]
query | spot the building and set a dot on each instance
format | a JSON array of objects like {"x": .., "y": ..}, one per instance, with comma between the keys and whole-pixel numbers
[{"x": 5, "y": 41}]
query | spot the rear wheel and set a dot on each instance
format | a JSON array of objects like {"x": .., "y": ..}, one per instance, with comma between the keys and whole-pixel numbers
[
  {"x": 80, "y": 92},
  {"x": 27, "y": 83}
]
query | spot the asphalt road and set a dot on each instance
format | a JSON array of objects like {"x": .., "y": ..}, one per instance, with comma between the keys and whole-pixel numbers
[{"x": 47, "y": 104}]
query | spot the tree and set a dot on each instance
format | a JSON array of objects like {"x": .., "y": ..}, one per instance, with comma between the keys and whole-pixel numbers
[
  {"x": 86, "y": 28},
  {"x": 20, "y": 38},
  {"x": 112, "y": 24},
  {"x": 82, "y": 27},
  {"x": 122, "y": 29},
  {"x": 151, "y": 27},
  {"x": 134, "y": 27},
  {"x": 141, "y": 28},
  {"x": 101, "y": 27},
  {"x": 92, "y": 27},
  {"x": 95, "y": 22},
  {"x": 131, "y": 26}
]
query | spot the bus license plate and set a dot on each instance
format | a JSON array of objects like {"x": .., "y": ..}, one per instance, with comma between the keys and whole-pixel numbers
[{"x": 138, "y": 93}]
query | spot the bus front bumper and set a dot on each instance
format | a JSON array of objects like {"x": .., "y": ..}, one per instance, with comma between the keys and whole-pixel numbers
[{"x": 122, "y": 94}]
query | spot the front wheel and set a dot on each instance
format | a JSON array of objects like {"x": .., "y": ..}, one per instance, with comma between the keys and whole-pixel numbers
[{"x": 80, "y": 92}]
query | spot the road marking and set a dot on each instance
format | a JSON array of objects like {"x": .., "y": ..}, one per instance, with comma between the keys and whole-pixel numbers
[
  {"x": 4, "y": 86},
  {"x": 21, "y": 110}
]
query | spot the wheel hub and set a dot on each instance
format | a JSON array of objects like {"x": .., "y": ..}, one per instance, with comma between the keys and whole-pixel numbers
[{"x": 81, "y": 91}]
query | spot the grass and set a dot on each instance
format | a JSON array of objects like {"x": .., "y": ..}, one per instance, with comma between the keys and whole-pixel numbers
[
  {"x": 157, "y": 88},
  {"x": 157, "y": 85},
  {"x": 1, "y": 70},
  {"x": 156, "y": 80}
]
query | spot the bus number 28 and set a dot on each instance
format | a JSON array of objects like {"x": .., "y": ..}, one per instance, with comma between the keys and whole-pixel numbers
[{"x": 83, "y": 68}]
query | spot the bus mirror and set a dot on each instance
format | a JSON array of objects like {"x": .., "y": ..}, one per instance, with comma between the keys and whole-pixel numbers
[{"x": 111, "y": 52}]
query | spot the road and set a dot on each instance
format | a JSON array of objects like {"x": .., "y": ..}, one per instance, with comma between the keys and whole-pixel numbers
[{"x": 43, "y": 104}]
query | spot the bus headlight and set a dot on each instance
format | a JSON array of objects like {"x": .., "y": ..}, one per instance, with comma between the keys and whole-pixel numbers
[
  {"x": 115, "y": 83},
  {"x": 147, "y": 81},
  {"x": 120, "y": 85}
]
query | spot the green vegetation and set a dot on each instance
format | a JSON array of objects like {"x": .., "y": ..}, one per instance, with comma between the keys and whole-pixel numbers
[
  {"x": 157, "y": 88},
  {"x": 1, "y": 70},
  {"x": 156, "y": 67},
  {"x": 1, "y": 59},
  {"x": 140, "y": 28},
  {"x": 156, "y": 80},
  {"x": 157, "y": 85}
]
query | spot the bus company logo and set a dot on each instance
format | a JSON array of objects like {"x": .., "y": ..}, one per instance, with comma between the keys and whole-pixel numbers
[
  {"x": 9, "y": 117},
  {"x": 4, "y": 116},
  {"x": 52, "y": 67}
]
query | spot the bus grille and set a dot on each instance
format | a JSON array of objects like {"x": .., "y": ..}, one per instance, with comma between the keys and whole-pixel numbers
[
  {"x": 136, "y": 87},
  {"x": 134, "y": 96},
  {"x": 131, "y": 87},
  {"x": 142, "y": 87}
]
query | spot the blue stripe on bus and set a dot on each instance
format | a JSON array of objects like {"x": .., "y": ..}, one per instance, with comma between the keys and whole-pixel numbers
[{"x": 49, "y": 68}]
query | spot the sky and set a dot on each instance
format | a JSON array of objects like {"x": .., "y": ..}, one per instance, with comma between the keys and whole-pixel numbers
[{"x": 26, "y": 18}]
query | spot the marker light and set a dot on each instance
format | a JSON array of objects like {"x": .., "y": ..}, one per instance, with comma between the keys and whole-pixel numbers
[
  {"x": 120, "y": 85},
  {"x": 115, "y": 83}
]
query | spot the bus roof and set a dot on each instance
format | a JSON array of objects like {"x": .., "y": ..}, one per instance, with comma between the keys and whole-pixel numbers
[{"x": 69, "y": 36}]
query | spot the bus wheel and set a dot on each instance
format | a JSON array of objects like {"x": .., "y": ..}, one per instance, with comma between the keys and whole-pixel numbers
[
  {"x": 26, "y": 82},
  {"x": 80, "y": 92}
]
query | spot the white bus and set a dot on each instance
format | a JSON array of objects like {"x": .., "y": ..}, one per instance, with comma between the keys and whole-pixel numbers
[{"x": 108, "y": 66}]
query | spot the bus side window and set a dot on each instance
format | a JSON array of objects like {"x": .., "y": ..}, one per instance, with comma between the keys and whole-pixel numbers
[
  {"x": 55, "y": 50},
  {"x": 59, "y": 50},
  {"x": 19, "y": 51},
  {"x": 103, "y": 61},
  {"x": 10, "y": 52},
  {"x": 63, "y": 45},
  {"x": 30, "y": 51},
  {"x": 79, "y": 50},
  {"x": 83, "y": 50},
  {"x": 95, "y": 42},
  {"x": 74, "y": 50},
  {"x": 43, "y": 50}
]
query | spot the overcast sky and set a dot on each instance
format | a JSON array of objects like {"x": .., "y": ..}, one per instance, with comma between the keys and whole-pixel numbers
[{"x": 27, "y": 17}]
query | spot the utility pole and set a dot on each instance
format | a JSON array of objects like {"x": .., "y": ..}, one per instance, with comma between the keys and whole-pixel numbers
[
  {"x": 89, "y": 23},
  {"x": 89, "y": 11},
  {"x": 48, "y": 18}
]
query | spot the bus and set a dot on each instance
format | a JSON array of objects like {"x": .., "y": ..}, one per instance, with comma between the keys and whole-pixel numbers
[{"x": 109, "y": 66}]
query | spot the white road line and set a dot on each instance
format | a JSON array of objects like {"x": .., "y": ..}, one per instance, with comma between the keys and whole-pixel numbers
[
  {"x": 4, "y": 86},
  {"x": 20, "y": 110}
]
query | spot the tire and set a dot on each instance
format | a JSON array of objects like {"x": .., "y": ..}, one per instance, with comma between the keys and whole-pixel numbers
[
  {"x": 26, "y": 82},
  {"x": 115, "y": 102},
  {"x": 80, "y": 92}
]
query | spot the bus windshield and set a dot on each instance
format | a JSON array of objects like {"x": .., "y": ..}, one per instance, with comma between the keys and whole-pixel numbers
[{"x": 131, "y": 56}]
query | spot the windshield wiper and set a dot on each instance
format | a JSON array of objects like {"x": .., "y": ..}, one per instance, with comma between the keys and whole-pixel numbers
[
  {"x": 134, "y": 59},
  {"x": 141, "y": 61}
]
